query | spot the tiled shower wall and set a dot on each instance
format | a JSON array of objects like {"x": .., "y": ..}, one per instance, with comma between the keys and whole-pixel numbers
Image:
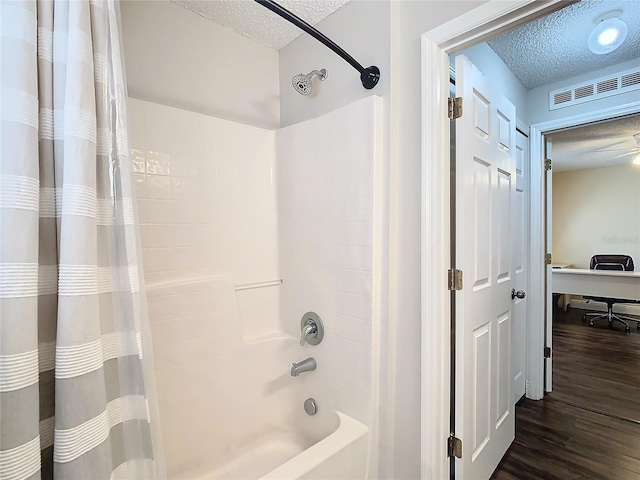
[
  {"x": 213, "y": 202},
  {"x": 207, "y": 212},
  {"x": 329, "y": 217},
  {"x": 206, "y": 199}
]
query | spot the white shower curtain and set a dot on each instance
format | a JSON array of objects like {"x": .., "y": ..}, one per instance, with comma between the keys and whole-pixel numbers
[{"x": 74, "y": 386}]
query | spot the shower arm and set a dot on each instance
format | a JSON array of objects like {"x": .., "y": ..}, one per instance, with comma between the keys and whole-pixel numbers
[{"x": 369, "y": 76}]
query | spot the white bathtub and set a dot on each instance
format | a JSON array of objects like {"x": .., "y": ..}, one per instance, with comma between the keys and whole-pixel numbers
[{"x": 340, "y": 455}]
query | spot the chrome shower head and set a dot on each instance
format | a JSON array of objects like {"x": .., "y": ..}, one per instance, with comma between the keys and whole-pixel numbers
[{"x": 302, "y": 82}]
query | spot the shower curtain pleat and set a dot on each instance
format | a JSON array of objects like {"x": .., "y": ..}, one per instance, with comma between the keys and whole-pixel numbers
[{"x": 75, "y": 387}]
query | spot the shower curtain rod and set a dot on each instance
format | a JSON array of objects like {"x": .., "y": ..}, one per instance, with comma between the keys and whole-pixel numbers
[{"x": 369, "y": 76}]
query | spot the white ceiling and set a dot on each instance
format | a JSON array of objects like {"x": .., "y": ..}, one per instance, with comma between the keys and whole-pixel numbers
[
  {"x": 554, "y": 47},
  {"x": 596, "y": 145},
  {"x": 256, "y": 22}
]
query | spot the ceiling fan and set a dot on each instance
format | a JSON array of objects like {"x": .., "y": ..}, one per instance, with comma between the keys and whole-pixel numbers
[{"x": 626, "y": 151}]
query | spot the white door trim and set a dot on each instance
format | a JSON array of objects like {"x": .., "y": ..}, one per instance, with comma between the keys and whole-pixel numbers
[
  {"x": 477, "y": 25},
  {"x": 536, "y": 328}
]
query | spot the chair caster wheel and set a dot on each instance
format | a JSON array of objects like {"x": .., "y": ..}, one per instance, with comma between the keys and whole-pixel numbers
[
  {"x": 584, "y": 318},
  {"x": 627, "y": 330}
]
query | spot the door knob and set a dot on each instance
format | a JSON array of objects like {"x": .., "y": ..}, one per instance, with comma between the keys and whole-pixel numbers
[{"x": 519, "y": 294}]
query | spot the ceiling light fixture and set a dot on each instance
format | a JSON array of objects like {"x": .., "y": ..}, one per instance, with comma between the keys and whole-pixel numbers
[
  {"x": 637, "y": 160},
  {"x": 609, "y": 33}
]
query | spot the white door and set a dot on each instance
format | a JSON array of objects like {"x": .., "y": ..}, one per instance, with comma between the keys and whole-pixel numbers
[
  {"x": 485, "y": 208},
  {"x": 521, "y": 270},
  {"x": 548, "y": 185}
]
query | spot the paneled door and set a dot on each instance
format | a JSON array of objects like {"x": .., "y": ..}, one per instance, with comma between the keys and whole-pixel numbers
[{"x": 485, "y": 231}]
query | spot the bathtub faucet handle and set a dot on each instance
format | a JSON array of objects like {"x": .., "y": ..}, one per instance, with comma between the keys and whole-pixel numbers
[
  {"x": 311, "y": 329},
  {"x": 308, "y": 329}
]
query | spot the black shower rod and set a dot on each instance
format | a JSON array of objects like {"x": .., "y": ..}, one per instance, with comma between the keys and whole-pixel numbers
[{"x": 369, "y": 76}]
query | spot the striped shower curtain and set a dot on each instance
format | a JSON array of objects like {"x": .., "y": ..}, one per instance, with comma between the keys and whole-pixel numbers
[{"x": 74, "y": 397}]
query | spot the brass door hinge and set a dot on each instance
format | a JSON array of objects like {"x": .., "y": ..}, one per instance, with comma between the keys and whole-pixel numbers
[
  {"x": 455, "y": 280},
  {"x": 547, "y": 259},
  {"x": 454, "y": 447},
  {"x": 455, "y": 108},
  {"x": 547, "y": 164}
]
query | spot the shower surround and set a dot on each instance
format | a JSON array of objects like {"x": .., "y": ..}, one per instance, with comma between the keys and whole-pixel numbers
[{"x": 226, "y": 211}]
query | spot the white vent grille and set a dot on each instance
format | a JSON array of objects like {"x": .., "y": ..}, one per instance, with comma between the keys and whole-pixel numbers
[
  {"x": 623, "y": 82},
  {"x": 562, "y": 97},
  {"x": 630, "y": 79},
  {"x": 608, "y": 85},
  {"x": 585, "y": 91}
]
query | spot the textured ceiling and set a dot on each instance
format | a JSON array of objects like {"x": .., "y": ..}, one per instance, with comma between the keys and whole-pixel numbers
[
  {"x": 596, "y": 145},
  {"x": 252, "y": 20},
  {"x": 554, "y": 47}
]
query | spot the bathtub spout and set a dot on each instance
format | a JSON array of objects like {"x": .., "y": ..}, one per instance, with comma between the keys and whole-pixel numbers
[{"x": 305, "y": 365}]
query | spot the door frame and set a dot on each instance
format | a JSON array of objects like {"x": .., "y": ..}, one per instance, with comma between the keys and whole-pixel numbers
[
  {"x": 475, "y": 26},
  {"x": 536, "y": 146}
]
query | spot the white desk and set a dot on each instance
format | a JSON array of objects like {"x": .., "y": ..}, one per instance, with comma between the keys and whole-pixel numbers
[{"x": 599, "y": 283}]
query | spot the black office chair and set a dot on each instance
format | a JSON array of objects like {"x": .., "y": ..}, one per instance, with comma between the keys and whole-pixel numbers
[{"x": 611, "y": 262}]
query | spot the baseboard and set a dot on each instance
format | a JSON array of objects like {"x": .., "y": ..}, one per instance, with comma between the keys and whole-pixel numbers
[{"x": 623, "y": 308}]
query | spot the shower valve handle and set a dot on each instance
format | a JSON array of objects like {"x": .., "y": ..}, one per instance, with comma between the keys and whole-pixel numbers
[
  {"x": 308, "y": 329},
  {"x": 311, "y": 329}
]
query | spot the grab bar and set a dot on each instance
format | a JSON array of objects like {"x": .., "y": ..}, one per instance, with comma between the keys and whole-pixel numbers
[{"x": 249, "y": 286}]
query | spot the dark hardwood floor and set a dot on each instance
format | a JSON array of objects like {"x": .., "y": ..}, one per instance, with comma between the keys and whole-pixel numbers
[
  {"x": 596, "y": 368},
  {"x": 589, "y": 426}
]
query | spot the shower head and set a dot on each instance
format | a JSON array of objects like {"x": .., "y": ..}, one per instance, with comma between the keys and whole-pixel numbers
[{"x": 302, "y": 82}]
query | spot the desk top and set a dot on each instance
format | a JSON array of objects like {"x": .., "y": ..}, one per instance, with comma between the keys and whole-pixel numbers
[
  {"x": 604, "y": 273},
  {"x": 599, "y": 283}
]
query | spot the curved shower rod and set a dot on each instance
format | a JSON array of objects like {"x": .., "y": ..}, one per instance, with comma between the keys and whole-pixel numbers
[{"x": 369, "y": 76}]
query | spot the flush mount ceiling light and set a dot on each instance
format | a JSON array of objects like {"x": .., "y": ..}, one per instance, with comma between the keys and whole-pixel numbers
[{"x": 608, "y": 34}]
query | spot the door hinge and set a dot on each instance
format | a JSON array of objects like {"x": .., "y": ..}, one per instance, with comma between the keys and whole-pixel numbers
[
  {"x": 547, "y": 352},
  {"x": 455, "y": 279},
  {"x": 455, "y": 108},
  {"x": 547, "y": 164},
  {"x": 547, "y": 259},
  {"x": 454, "y": 447}
]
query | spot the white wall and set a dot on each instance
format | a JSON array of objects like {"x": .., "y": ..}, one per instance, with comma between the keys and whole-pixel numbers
[
  {"x": 538, "y": 98},
  {"x": 596, "y": 210},
  {"x": 503, "y": 79},
  {"x": 178, "y": 58}
]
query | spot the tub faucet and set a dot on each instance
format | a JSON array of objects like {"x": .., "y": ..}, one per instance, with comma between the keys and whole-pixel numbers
[{"x": 305, "y": 365}]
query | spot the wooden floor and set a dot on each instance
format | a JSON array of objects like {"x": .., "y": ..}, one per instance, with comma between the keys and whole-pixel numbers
[{"x": 589, "y": 427}]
